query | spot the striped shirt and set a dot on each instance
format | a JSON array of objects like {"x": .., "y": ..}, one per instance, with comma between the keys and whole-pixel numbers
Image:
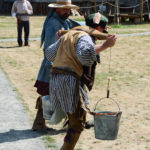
[{"x": 63, "y": 88}]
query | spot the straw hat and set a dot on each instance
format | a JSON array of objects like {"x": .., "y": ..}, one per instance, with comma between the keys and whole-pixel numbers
[{"x": 63, "y": 4}]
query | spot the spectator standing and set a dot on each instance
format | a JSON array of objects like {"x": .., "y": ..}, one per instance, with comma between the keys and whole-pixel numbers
[{"x": 22, "y": 9}]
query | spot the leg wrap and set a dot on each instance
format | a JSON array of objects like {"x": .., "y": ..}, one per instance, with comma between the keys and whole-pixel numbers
[
  {"x": 39, "y": 122},
  {"x": 75, "y": 127}
]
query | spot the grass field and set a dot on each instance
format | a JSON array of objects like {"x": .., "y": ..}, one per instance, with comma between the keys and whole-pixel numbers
[
  {"x": 8, "y": 27},
  {"x": 130, "y": 83}
]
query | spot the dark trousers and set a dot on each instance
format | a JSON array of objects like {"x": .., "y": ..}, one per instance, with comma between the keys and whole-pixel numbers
[{"x": 26, "y": 26}]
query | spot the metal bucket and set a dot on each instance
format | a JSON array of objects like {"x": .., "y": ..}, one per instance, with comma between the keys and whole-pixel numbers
[
  {"x": 106, "y": 123},
  {"x": 54, "y": 117},
  {"x": 47, "y": 113}
]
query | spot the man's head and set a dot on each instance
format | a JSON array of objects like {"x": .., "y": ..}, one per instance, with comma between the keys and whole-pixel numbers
[
  {"x": 97, "y": 21},
  {"x": 63, "y": 8}
]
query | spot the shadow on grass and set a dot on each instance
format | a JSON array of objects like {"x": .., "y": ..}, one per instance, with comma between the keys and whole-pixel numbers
[
  {"x": 15, "y": 135},
  {"x": 55, "y": 132},
  {"x": 50, "y": 131},
  {"x": 9, "y": 46}
]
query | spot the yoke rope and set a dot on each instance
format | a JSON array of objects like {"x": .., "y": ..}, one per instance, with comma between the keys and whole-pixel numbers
[{"x": 109, "y": 78}]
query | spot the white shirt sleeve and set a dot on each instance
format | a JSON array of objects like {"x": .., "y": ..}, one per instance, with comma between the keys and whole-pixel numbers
[{"x": 30, "y": 9}]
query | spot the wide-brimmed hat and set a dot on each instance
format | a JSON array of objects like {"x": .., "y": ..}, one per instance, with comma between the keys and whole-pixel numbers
[
  {"x": 97, "y": 19},
  {"x": 63, "y": 4}
]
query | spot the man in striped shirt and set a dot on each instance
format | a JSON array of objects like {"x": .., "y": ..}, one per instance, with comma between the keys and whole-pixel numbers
[{"x": 70, "y": 53}]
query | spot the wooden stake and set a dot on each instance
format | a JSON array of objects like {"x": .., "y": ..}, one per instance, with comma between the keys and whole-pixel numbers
[
  {"x": 141, "y": 10},
  {"x": 95, "y": 5},
  {"x": 117, "y": 12}
]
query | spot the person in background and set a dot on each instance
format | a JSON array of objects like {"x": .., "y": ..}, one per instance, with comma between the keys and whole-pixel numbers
[
  {"x": 70, "y": 53},
  {"x": 56, "y": 19},
  {"x": 22, "y": 9}
]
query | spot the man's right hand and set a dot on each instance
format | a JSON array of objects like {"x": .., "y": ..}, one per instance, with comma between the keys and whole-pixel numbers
[
  {"x": 59, "y": 34},
  {"x": 26, "y": 12},
  {"x": 111, "y": 40}
]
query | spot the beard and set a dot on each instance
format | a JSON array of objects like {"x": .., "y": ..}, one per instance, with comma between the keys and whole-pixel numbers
[{"x": 65, "y": 16}]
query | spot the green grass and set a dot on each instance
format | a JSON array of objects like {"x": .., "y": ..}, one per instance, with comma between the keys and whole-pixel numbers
[
  {"x": 130, "y": 26},
  {"x": 79, "y": 19},
  {"x": 50, "y": 142},
  {"x": 36, "y": 25},
  {"x": 129, "y": 78}
]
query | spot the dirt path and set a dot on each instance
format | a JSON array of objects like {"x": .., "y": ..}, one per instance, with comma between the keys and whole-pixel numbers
[
  {"x": 37, "y": 39},
  {"x": 15, "y": 129}
]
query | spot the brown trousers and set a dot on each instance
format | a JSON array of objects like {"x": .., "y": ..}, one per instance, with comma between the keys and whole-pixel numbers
[{"x": 75, "y": 127}]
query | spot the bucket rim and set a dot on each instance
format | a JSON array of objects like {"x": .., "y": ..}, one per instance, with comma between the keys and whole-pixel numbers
[{"x": 107, "y": 113}]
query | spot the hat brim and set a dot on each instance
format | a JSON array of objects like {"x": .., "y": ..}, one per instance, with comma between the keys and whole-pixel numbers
[{"x": 55, "y": 5}]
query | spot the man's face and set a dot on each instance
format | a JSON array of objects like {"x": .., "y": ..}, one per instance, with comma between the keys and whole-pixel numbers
[
  {"x": 63, "y": 12},
  {"x": 100, "y": 29}
]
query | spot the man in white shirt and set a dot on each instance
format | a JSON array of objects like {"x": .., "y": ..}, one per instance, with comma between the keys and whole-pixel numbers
[{"x": 22, "y": 9}]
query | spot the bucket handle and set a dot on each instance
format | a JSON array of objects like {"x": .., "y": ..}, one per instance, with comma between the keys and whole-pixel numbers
[{"x": 107, "y": 98}]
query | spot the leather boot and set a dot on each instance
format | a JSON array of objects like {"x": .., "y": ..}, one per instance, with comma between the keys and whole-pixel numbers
[{"x": 39, "y": 122}]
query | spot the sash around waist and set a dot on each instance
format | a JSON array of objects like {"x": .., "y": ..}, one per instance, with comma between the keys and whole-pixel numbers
[{"x": 55, "y": 70}]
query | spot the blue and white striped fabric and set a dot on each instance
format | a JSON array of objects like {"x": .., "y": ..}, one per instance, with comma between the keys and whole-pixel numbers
[{"x": 63, "y": 88}]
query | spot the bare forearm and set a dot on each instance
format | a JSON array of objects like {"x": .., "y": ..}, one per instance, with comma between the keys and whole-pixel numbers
[
  {"x": 110, "y": 41},
  {"x": 100, "y": 47}
]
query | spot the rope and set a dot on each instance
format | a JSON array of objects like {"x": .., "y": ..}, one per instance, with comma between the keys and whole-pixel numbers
[
  {"x": 129, "y": 6},
  {"x": 114, "y": 5},
  {"x": 109, "y": 68},
  {"x": 91, "y": 6}
]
